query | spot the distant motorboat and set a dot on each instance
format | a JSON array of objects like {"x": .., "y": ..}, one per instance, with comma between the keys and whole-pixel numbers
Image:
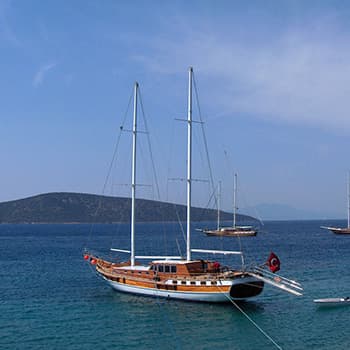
[
  {"x": 332, "y": 301},
  {"x": 342, "y": 230}
]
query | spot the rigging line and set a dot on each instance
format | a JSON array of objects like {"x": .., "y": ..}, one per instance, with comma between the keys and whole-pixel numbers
[
  {"x": 256, "y": 213},
  {"x": 180, "y": 222},
  {"x": 203, "y": 132},
  {"x": 178, "y": 247},
  {"x": 205, "y": 210},
  {"x": 240, "y": 248},
  {"x": 114, "y": 157},
  {"x": 210, "y": 199},
  {"x": 170, "y": 158},
  {"x": 160, "y": 205},
  {"x": 251, "y": 320},
  {"x": 149, "y": 145},
  {"x": 153, "y": 165}
]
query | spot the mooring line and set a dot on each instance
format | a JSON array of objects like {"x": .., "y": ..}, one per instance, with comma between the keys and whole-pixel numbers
[{"x": 253, "y": 322}]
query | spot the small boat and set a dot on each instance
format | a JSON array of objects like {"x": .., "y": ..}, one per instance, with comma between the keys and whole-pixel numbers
[
  {"x": 183, "y": 277},
  {"x": 338, "y": 230},
  {"x": 234, "y": 230},
  {"x": 342, "y": 230},
  {"x": 332, "y": 301},
  {"x": 238, "y": 231}
]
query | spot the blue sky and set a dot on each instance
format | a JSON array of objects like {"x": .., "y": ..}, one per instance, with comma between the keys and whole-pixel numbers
[{"x": 273, "y": 80}]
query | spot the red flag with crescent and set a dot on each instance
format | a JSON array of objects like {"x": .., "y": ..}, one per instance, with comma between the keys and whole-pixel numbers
[{"x": 273, "y": 262}]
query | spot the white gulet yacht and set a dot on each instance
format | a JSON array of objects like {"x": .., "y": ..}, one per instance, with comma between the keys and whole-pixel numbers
[{"x": 178, "y": 277}]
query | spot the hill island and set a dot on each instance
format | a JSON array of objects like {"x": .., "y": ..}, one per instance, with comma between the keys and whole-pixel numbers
[{"x": 65, "y": 207}]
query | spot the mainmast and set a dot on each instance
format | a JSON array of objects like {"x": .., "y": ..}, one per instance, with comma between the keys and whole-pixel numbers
[
  {"x": 189, "y": 164},
  {"x": 133, "y": 177}
]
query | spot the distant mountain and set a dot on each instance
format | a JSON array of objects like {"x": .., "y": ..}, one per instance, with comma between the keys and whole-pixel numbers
[
  {"x": 285, "y": 212},
  {"x": 88, "y": 208}
]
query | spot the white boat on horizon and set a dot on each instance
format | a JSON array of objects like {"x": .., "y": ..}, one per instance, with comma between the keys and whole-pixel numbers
[{"x": 342, "y": 230}]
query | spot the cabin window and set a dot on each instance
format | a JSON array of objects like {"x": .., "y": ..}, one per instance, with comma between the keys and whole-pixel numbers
[
  {"x": 160, "y": 268},
  {"x": 203, "y": 283},
  {"x": 173, "y": 269},
  {"x": 183, "y": 282},
  {"x": 152, "y": 267},
  {"x": 193, "y": 282},
  {"x": 167, "y": 268}
]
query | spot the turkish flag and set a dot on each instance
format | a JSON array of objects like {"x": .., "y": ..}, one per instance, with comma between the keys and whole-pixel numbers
[{"x": 273, "y": 262}]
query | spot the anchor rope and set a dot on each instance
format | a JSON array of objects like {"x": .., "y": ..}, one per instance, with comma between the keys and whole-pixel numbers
[{"x": 251, "y": 320}]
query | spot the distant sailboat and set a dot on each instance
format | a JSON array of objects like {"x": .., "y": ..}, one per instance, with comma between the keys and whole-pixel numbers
[
  {"x": 342, "y": 230},
  {"x": 234, "y": 230}
]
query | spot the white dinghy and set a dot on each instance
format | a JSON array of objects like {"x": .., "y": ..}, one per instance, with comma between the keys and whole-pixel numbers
[{"x": 332, "y": 301}]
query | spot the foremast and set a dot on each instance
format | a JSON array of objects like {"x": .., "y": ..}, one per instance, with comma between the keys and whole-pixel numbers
[
  {"x": 133, "y": 178},
  {"x": 189, "y": 164}
]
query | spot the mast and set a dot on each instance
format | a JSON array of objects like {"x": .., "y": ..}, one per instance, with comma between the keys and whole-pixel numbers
[
  {"x": 234, "y": 198},
  {"x": 219, "y": 199},
  {"x": 133, "y": 178},
  {"x": 189, "y": 164}
]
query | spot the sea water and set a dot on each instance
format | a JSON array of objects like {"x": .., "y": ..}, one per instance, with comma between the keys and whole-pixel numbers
[{"x": 50, "y": 298}]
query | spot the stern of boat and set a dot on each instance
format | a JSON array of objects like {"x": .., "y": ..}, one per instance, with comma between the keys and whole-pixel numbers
[{"x": 245, "y": 287}]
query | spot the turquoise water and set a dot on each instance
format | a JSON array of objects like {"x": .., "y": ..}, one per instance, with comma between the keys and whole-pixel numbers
[{"x": 50, "y": 298}]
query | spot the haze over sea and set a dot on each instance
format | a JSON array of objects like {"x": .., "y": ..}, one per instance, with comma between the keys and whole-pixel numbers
[{"x": 51, "y": 299}]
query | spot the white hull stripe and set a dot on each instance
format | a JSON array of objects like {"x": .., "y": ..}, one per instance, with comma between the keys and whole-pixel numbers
[{"x": 195, "y": 296}]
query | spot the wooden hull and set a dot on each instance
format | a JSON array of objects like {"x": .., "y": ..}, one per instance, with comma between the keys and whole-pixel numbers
[
  {"x": 339, "y": 230},
  {"x": 231, "y": 232},
  {"x": 216, "y": 287}
]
